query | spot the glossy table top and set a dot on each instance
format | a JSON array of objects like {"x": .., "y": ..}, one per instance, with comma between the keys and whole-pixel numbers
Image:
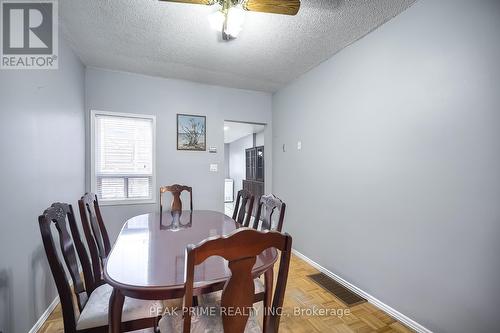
[{"x": 150, "y": 251}]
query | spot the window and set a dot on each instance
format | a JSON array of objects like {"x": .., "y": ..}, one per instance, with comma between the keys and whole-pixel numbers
[{"x": 122, "y": 157}]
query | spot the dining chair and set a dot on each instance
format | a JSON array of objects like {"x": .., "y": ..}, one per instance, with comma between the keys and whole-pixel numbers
[
  {"x": 243, "y": 207},
  {"x": 176, "y": 190},
  {"x": 95, "y": 231},
  {"x": 266, "y": 209},
  {"x": 268, "y": 205},
  {"x": 91, "y": 294},
  {"x": 240, "y": 249}
]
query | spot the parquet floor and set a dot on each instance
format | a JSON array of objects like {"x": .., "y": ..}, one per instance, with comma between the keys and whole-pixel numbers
[{"x": 302, "y": 294}]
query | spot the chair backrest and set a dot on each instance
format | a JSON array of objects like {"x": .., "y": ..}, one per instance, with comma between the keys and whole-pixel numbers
[
  {"x": 58, "y": 214},
  {"x": 95, "y": 232},
  {"x": 241, "y": 214},
  {"x": 268, "y": 207},
  {"x": 240, "y": 249},
  {"x": 176, "y": 191}
]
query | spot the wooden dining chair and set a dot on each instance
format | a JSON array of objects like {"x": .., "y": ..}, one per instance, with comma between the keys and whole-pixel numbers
[
  {"x": 91, "y": 293},
  {"x": 270, "y": 208},
  {"x": 267, "y": 207},
  {"x": 95, "y": 231},
  {"x": 240, "y": 249},
  {"x": 243, "y": 207},
  {"x": 176, "y": 190}
]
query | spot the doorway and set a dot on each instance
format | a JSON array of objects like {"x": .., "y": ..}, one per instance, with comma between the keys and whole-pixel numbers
[{"x": 243, "y": 161}]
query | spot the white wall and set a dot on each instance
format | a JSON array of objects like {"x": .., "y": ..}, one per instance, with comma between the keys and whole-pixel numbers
[
  {"x": 226, "y": 160},
  {"x": 397, "y": 186},
  {"x": 42, "y": 161},
  {"x": 132, "y": 93}
]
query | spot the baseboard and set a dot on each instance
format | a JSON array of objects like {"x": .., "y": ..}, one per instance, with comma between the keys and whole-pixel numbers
[
  {"x": 39, "y": 323},
  {"x": 379, "y": 304}
]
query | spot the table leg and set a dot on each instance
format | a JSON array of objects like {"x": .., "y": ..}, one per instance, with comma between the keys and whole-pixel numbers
[{"x": 115, "y": 311}]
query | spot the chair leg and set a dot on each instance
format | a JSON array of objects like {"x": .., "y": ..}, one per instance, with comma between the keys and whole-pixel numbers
[
  {"x": 195, "y": 301},
  {"x": 156, "y": 329},
  {"x": 115, "y": 311},
  {"x": 268, "y": 297}
]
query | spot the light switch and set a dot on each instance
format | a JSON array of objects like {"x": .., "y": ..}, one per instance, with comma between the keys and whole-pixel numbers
[
  {"x": 299, "y": 145},
  {"x": 214, "y": 167}
]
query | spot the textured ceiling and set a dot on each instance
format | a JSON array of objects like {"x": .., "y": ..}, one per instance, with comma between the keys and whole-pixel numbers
[{"x": 175, "y": 40}]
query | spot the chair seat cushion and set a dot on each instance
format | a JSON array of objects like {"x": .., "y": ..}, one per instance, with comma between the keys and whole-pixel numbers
[
  {"x": 95, "y": 312},
  {"x": 214, "y": 298},
  {"x": 206, "y": 319},
  {"x": 259, "y": 286}
]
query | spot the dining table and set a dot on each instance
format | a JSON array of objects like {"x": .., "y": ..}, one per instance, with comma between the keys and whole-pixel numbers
[{"x": 148, "y": 258}]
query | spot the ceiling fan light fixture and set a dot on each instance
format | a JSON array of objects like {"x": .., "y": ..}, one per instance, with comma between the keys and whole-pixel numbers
[
  {"x": 234, "y": 21},
  {"x": 216, "y": 20},
  {"x": 228, "y": 20},
  {"x": 230, "y": 17}
]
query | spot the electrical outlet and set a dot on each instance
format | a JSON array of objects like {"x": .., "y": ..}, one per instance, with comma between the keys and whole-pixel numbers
[
  {"x": 214, "y": 167},
  {"x": 299, "y": 145}
]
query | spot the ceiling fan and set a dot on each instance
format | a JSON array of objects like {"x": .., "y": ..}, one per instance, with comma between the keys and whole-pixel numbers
[{"x": 229, "y": 19}]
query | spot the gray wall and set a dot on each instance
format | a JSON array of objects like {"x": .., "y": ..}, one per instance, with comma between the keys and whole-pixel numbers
[
  {"x": 42, "y": 139},
  {"x": 237, "y": 170},
  {"x": 259, "y": 139},
  {"x": 132, "y": 93},
  {"x": 398, "y": 179}
]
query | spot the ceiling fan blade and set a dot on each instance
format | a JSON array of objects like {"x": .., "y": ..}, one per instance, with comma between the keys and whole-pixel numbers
[
  {"x": 194, "y": 2},
  {"x": 285, "y": 7}
]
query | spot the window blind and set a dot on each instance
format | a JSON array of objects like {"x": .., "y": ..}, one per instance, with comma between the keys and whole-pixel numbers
[{"x": 123, "y": 157}]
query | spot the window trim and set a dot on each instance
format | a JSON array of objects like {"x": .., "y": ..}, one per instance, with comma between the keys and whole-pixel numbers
[{"x": 93, "y": 178}]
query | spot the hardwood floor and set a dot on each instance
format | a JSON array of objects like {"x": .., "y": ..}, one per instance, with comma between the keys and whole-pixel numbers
[
  {"x": 54, "y": 323},
  {"x": 302, "y": 294}
]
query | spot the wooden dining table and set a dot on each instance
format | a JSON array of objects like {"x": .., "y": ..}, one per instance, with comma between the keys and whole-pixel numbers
[{"x": 147, "y": 261}]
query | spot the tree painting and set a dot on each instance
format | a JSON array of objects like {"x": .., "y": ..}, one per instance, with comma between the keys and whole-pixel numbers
[{"x": 191, "y": 132}]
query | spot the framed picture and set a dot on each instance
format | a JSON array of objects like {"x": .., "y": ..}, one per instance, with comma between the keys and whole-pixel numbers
[{"x": 191, "y": 132}]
